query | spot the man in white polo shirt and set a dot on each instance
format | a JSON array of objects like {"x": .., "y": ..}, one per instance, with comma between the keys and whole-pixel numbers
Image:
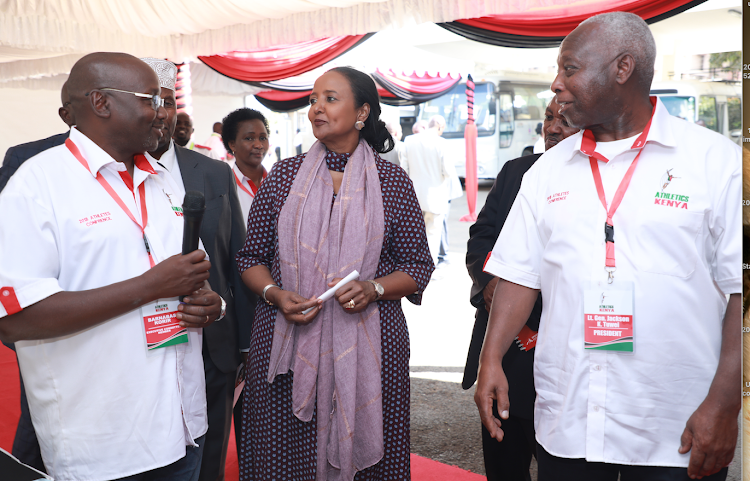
[
  {"x": 631, "y": 230},
  {"x": 89, "y": 286}
]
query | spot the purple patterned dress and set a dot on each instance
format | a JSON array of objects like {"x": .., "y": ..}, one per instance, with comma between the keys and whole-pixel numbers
[{"x": 275, "y": 444}]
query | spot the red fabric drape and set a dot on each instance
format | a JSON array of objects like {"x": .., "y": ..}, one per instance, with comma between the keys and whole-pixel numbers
[
  {"x": 470, "y": 136},
  {"x": 281, "y": 62},
  {"x": 559, "y": 22},
  {"x": 413, "y": 83}
]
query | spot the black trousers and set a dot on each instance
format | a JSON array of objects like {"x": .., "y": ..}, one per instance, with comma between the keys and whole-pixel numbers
[
  {"x": 552, "y": 468},
  {"x": 219, "y": 392},
  {"x": 510, "y": 459}
]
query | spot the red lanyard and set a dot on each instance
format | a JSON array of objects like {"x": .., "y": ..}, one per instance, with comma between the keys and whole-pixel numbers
[
  {"x": 141, "y": 192},
  {"x": 588, "y": 146},
  {"x": 252, "y": 184}
]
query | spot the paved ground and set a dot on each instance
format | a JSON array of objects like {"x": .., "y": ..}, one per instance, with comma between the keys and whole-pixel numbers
[{"x": 445, "y": 425}]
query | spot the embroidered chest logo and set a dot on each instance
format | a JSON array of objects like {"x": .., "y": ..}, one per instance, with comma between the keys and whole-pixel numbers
[
  {"x": 177, "y": 210},
  {"x": 669, "y": 199},
  {"x": 560, "y": 196},
  {"x": 95, "y": 219}
]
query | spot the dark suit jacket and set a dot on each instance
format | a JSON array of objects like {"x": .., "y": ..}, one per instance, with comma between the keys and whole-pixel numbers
[
  {"x": 17, "y": 155},
  {"x": 517, "y": 364},
  {"x": 223, "y": 234}
]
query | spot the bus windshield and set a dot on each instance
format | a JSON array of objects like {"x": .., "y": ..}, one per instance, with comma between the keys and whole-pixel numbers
[
  {"x": 680, "y": 106},
  {"x": 452, "y": 106}
]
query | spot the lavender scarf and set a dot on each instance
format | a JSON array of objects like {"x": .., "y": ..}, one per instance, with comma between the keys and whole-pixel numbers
[{"x": 336, "y": 359}]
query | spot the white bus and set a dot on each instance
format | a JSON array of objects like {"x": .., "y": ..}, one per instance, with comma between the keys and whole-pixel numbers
[
  {"x": 715, "y": 105},
  {"x": 507, "y": 114}
]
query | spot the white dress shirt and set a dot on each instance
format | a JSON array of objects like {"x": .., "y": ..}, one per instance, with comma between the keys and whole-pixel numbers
[
  {"x": 425, "y": 162},
  {"x": 677, "y": 239},
  {"x": 103, "y": 407},
  {"x": 168, "y": 163}
]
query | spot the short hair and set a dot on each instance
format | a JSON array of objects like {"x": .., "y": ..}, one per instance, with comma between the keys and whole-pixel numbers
[
  {"x": 629, "y": 33},
  {"x": 231, "y": 123},
  {"x": 365, "y": 92},
  {"x": 393, "y": 127},
  {"x": 436, "y": 121}
]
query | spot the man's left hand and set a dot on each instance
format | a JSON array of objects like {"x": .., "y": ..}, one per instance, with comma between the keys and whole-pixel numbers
[
  {"x": 199, "y": 309},
  {"x": 710, "y": 435}
]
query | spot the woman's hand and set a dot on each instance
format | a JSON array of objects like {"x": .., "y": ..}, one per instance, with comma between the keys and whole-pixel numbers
[
  {"x": 361, "y": 292},
  {"x": 292, "y": 304}
]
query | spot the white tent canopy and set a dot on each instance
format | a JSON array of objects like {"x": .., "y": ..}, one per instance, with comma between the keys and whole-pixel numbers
[{"x": 46, "y": 37}]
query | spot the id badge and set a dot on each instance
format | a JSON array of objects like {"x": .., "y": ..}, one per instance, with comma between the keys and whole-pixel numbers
[
  {"x": 608, "y": 316},
  {"x": 161, "y": 324}
]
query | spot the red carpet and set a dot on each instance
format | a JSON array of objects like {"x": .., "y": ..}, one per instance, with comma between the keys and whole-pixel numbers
[{"x": 422, "y": 469}]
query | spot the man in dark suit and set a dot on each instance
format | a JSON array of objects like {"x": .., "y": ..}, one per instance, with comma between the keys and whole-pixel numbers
[
  {"x": 25, "y": 443},
  {"x": 508, "y": 460},
  {"x": 223, "y": 234},
  {"x": 17, "y": 155}
]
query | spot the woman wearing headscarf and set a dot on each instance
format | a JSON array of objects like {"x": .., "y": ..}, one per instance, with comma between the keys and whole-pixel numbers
[{"x": 327, "y": 391}]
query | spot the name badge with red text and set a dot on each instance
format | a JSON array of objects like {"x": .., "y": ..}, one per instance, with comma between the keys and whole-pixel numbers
[
  {"x": 161, "y": 324},
  {"x": 608, "y": 317}
]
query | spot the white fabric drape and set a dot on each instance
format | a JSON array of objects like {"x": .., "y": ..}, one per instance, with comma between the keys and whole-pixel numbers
[{"x": 31, "y": 31}]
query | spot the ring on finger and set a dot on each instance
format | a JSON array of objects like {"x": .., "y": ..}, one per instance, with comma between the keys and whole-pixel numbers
[{"x": 350, "y": 304}]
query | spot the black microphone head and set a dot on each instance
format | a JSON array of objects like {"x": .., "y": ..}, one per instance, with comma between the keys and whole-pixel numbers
[{"x": 194, "y": 203}]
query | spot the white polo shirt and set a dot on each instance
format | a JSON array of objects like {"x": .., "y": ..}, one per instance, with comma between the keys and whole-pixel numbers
[
  {"x": 102, "y": 406},
  {"x": 677, "y": 238}
]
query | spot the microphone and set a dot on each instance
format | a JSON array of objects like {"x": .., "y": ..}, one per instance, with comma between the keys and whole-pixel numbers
[{"x": 193, "y": 207}]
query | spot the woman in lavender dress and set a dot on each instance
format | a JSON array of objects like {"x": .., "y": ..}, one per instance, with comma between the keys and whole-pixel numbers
[{"x": 327, "y": 391}]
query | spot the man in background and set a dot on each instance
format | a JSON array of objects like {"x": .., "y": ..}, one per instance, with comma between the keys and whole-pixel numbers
[
  {"x": 424, "y": 160},
  {"x": 394, "y": 155},
  {"x": 183, "y": 131},
  {"x": 222, "y": 233},
  {"x": 213, "y": 147},
  {"x": 508, "y": 460},
  {"x": 17, "y": 155}
]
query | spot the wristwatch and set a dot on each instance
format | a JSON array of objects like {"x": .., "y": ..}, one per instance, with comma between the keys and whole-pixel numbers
[
  {"x": 378, "y": 289},
  {"x": 223, "y": 309}
]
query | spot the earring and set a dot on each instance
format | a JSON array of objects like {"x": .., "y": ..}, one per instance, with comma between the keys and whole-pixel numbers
[{"x": 359, "y": 125}]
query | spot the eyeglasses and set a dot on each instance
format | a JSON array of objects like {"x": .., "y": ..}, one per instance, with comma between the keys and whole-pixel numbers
[{"x": 156, "y": 100}]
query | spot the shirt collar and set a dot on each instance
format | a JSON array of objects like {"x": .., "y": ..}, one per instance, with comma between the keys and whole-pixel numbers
[
  {"x": 94, "y": 155},
  {"x": 659, "y": 132},
  {"x": 167, "y": 159},
  {"x": 243, "y": 177},
  {"x": 97, "y": 158},
  {"x": 238, "y": 172}
]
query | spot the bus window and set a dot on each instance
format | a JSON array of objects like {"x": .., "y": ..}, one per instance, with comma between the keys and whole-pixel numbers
[
  {"x": 682, "y": 107},
  {"x": 527, "y": 103},
  {"x": 707, "y": 113},
  {"x": 506, "y": 119},
  {"x": 734, "y": 106},
  {"x": 452, "y": 106}
]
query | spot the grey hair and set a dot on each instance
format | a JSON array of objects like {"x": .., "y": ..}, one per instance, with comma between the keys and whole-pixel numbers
[
  {"x": 436, "y": 121},
  {"x": 629, "y": 33}
]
